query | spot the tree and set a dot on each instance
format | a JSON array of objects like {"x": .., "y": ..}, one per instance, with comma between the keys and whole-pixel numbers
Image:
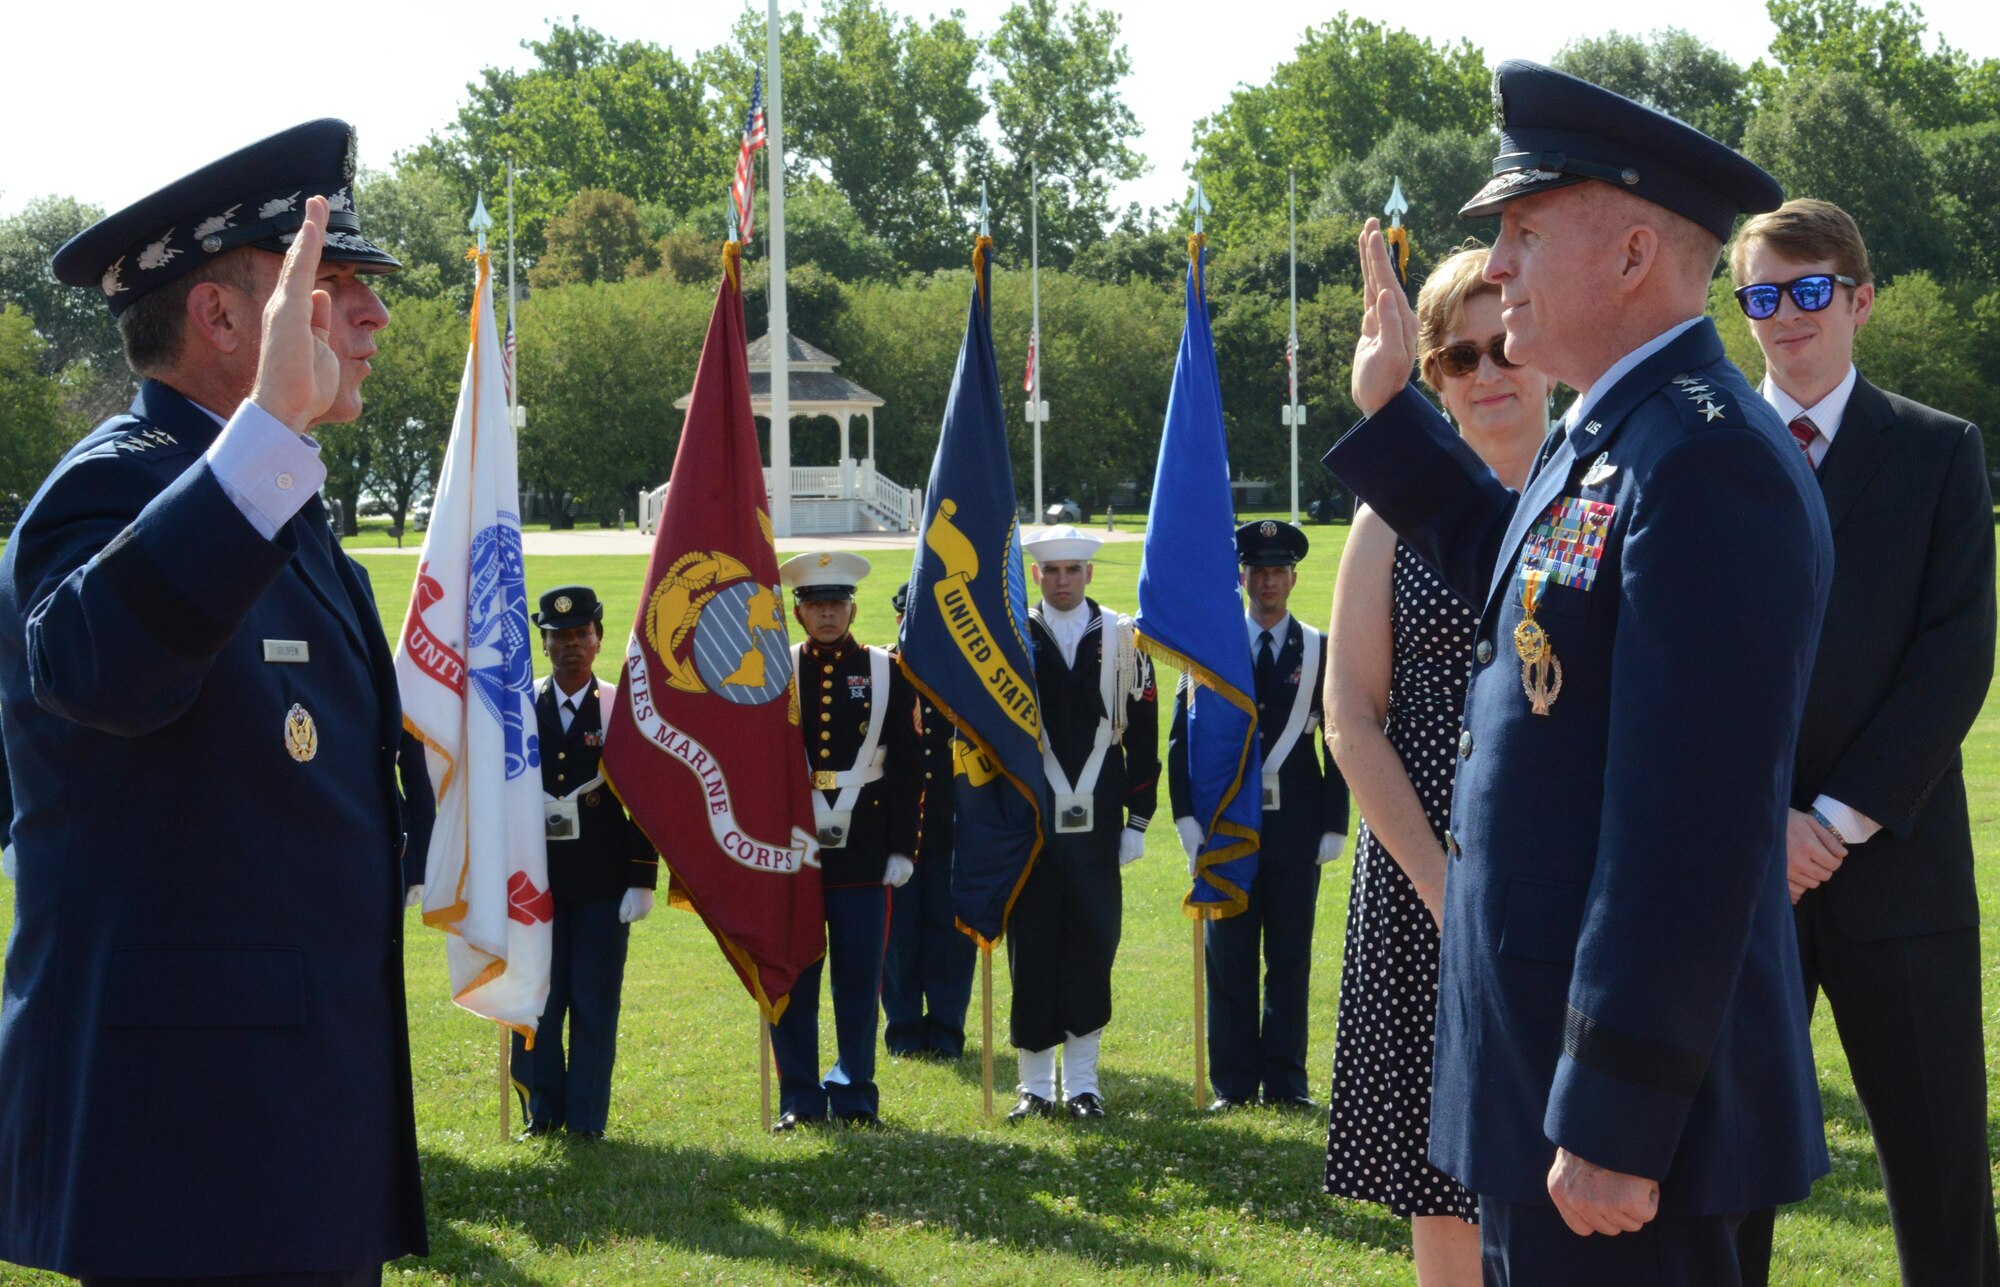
[
  {"x": 597, "y": 238},
  {"x": 409, "y": 404},
  {"x": 31, "y": 409},
  {"x": 412, "y": 212},
  {"x": 1439, "y": 171},
  {"x": 1349, "y": 83},
  {"x": 1969, "y": 203},
  {"x": 630, "y": 117},
  {"x": 1058, "y": 105},
  {"x": 1883, "y": 46},
  {"x": 1833, "y": 137},
  {"x": 77, "y": 329},
  {"x": 1669, "y": 70}
]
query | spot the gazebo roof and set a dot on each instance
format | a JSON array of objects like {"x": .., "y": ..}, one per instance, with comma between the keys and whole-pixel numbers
[{"x": 812, "y": 386}]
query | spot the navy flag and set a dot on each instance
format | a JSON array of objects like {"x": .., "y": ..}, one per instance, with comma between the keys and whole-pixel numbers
[
  {"x": 1191, "y": 616},
  {"x": 965, "y": 637}
]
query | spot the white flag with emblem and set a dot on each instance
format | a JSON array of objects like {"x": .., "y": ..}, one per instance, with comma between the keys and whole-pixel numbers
[{"x": 465, "y": 666}]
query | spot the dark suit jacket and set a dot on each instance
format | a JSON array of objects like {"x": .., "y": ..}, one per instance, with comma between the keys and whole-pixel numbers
[
  {"x": 1312, "y": 796},
  {"x": 609, "y": 854},
  {"x": 1904, "y": 661},
  {"x": 1620, "y": 971},
  {"x": 203, "y": 1063}
]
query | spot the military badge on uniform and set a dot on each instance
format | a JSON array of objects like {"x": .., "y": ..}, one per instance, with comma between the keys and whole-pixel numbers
[
  {"x": 1567, "y": 542},
  {"x": 563, "y": 603},
  {"x": 1599, "y": 473},
  {"x": 1541, "y": 672},
  {"x": 301, "y": 737}
]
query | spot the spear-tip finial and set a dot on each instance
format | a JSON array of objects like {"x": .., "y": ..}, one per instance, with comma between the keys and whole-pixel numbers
[
  {"x": 1201, "y": 205},
  {"x": 735, "y": 228},
  {"x": 481, "y": 221},
  {"x": 985, "y": 214},
  {"x": 1398, "y": 206}
]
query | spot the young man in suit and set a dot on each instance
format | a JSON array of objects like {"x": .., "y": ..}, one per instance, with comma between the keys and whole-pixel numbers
[
  {"x": 1878, "y": 842},
  {"x": 602, "y": 873},
  {"x": 1305, "y": 825}
]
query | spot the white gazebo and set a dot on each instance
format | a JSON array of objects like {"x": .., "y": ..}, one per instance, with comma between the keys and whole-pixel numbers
[{"x": 848, "y": 497}]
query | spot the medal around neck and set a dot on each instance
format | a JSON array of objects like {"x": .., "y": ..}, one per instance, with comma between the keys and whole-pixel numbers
[{"x": 1541, "y": 672}]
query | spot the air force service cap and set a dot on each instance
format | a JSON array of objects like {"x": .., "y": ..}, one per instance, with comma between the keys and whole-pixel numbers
[
  {"x": 1557, "y": 130},
  {"x": 1062, "y": 544},
  {"x": 567, "y": 606},
  {"x": 252, "y": 197},
  {"x": 1270, "y": 543},
  {"x": 823, "y": 576}
]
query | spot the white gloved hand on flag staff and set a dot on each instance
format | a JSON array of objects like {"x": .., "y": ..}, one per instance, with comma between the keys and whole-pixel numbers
[
  {"x": 1131, "y": 846},
  {"x": 1330, "y": 845},
  {"x": 414, "y": 897},
  {"x": 638, "y": 905},
  {"x": 899, "y": 870}
]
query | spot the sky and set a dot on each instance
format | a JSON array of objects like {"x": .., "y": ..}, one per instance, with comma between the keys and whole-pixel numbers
[{"x": 124, "y": 97}]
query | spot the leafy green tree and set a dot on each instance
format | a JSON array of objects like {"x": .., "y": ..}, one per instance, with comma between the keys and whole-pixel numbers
[
  {"x": 1350, "y": 81},
  {"x": 1678, "y": 73},
  {"x": 593, "y": 112},
  {"x": 821, "y": 227},
  {"x": 1439, "y": 170},
  {"x": 1835, "y": 138},
  {"x": 598, "y": 238},
  {"x": 37, "y": 429},
  {"x": 1057, "y": 102},
  {"x": 409, "y": 405},
  {"x": 1968, "y": 160},
  {"x": 412, "y": 212},
  {"x": 1883, "y": 45},
  {"x": 81, "y": 339},
  {"x": 1933, "y": 342},
  {"x": 1144, "y": 248}
]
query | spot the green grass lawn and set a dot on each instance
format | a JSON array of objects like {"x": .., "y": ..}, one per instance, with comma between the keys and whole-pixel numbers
[{"x": 688, "y": 1189}]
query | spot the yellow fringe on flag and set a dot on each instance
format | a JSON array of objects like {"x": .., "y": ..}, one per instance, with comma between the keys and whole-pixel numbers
[
  {"x": 1399, "y": 237},
  {"x": 1245, "y": 840},
  {"x": 981, "y": 249},
  {"x": 732, "y": 262}
]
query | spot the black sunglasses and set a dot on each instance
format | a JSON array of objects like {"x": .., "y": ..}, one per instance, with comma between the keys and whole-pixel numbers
[
  {"x": 1811, "y": 294},
  {"x": 1463, "y": 359}
]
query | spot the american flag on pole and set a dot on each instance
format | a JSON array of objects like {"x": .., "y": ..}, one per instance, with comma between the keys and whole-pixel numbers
[
  {"x": 744, "y": 190},
  {"x": 1291, "y": 363},
  {"x": 1034, "y": 344},
  {"x": 507, "y": 357},
  {"x": 465, "y": 669}
]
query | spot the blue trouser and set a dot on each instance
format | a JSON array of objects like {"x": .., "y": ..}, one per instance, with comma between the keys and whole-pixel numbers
[
  {"x": 857, "y": 922},
  {"x": 1251, "y": 1046},
  {"x": 930, "y": 960},
  {"x": 586, "y": 976},
  {"x": 1524, "y": 1245}
]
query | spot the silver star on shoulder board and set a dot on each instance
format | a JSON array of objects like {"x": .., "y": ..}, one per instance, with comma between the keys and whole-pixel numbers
[{"x": 1711, "y": 412}]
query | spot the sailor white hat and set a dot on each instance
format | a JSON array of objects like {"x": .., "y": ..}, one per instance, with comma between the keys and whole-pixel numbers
[
  {"x": 823, "y": 576},
  {"x": 1062, "y": 544}
]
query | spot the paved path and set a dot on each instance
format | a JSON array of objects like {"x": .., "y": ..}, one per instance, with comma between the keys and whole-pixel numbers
[{"x": 632, "y": 541}]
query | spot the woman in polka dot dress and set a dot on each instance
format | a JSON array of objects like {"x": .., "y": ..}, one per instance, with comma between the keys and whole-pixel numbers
[{"x": 1401, "y": 645}]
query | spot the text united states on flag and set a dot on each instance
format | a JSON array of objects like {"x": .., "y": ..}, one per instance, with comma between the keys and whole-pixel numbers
[{"x": 744, "y": 190}]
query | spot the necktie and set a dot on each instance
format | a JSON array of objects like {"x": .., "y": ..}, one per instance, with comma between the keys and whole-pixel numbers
[
  {"x": 1804, "y": 431},
  {"x": 568, "y": 712},
  {"x": 1267, "y": 665}
]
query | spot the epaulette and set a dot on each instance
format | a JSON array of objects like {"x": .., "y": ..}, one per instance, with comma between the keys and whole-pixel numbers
[{"x": 1700, "y": 404}]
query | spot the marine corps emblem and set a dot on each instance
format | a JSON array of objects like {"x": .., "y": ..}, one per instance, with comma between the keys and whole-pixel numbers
[
  {"x": 301, "y": 737},
  {"x": 716, "y": 629}
]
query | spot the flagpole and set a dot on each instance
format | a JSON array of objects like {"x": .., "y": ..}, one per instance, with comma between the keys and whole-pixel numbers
[
  {"x": 1037, "y": 409},
  {"x": 1200, "y": 1018},
  {"x": 780, "y": 324},
  {"x": 1292, "y": 416},
  {"x": 986, "y": 1020},
  {"x": 506, "y": 1084},
  {"x": 512, "y": 359},
  {"x": 764, "y": 1063}
]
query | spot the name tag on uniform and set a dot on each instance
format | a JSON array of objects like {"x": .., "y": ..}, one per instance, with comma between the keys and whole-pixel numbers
[
  {"x": 287, "y": 650},
  {"x": 1074, "y": 813},
  {"x": 560, "y": 819}
]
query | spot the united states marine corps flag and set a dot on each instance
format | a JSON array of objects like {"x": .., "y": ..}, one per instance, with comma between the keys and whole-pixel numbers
[
  {"x": 964, "y": 638},
  {"x": 703, "y": 741},
  {"x": 1191, "y": 613}
]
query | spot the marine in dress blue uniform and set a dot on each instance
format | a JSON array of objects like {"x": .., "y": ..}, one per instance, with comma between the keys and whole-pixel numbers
[
  {"x": 1620, "y": 975},
  {"x": 858, "y": 716},
  {"x": 927, "y": 975},
  {"x": 602, "y": 873},
  {"x": 204, "y": 1068},
  {"x": 1253, "y": 1047}
]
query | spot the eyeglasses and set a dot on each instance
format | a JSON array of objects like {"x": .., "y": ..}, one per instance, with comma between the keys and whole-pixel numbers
[
  {"x": 1811, "y": 294},
  {"x": 1463, "y": 359}
]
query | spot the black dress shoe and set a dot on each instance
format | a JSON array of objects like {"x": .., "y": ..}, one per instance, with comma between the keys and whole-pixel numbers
[
  {"x": 1303, "y": 1105},
  {"x": 535, "y": 1131},
  {"x": 1086, "y": 1107},
  {"x": 861, "y": 1121},
  {"x": 586, "y": 1135},
  {"x": 1227, "y": 1104},
  {"x": 1031, "y": 1105},
  {"x": 789, "y": 1122}
]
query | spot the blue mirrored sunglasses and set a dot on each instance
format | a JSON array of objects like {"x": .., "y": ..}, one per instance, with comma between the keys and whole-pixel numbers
[{"x": 1811, "y": 294}]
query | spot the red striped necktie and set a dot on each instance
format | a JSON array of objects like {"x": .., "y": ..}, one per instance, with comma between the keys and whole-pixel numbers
[{"x": 1804, "y": 431}]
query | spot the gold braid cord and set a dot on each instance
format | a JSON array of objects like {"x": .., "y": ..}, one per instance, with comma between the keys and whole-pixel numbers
[
  {"x": 1399, "y": 237},
  {"x": 982, "y": 249}
]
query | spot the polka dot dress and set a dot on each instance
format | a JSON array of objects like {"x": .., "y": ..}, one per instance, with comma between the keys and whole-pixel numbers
[{"x": 1378, "y": 1125}]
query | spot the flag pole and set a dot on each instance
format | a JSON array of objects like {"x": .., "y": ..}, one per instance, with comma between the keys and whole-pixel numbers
[
  {"x": 1292, "y": 416},
  {"x": 764, "y": 1063},
  {"x": 780, "y": 324},
  {"x": 506, "y": 1084},
  {"x": 513, "y": 359},
  {"x": 1200, "y": 1018},
  {"x": 1035, "y": 404},
  {"x": 986, "y": 1018}
]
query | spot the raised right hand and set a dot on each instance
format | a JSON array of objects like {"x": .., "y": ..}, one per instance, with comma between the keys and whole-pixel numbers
[
  {"x": 298, "y": 375},
  {"x": 1387, "y": 349}
]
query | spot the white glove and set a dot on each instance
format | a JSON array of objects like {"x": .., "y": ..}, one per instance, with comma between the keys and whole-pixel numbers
[
  {"x": 638, "y": 905},
  {"x": 899, "y": 870},
  {"x": 1190, "y": 832},
  {"x": 7, "y": 862},
  {"x": 414, "y": 897},
  {"x": 1330, "y": 845},
  {"x": 1131, "y": 846}
]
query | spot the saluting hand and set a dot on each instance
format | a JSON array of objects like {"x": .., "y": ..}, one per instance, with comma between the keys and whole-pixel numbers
[
  {"x": 298, "y": 375},
  {"x": 1387, "y": 349},
  {"x": 1592, "y": 1199}
]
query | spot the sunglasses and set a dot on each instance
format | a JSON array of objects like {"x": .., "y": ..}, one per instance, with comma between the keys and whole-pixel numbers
[
  {"x": 1463, "y": 359},
  {"x": 1811, "y": 294}
]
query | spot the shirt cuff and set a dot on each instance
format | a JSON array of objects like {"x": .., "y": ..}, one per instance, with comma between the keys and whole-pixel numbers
[
  {"x": 265, "y": 469},
  {"x": 1854, "y": 827}
]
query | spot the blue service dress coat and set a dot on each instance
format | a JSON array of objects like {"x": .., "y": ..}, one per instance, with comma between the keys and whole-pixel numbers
[
  {"x": 1620, "y": 973},
  {"x": 204, "y": 1068}
]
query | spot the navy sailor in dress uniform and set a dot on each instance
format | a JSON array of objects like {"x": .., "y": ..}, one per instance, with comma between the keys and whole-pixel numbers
[
  {"x": 1253, "y": 1047},
  {"x": 1622, "y": 1065},
  {"x": 858, "y": 716},
  {"x": 204, "y": 1065},
  {"x": 927, "y": 976},
  {"x": 1100, "y": 750},
  {"x": 602, "y": 873}
]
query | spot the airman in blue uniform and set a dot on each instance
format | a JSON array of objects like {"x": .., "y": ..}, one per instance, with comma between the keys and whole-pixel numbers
[
  {"x": 1622, "y": 1066},
  {"x": 204, "y": 1068}
]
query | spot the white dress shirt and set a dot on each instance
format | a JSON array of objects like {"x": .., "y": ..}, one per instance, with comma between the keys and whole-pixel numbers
[
  {"x": 1278, "y": 633},
  {"x": 267, "y": 471},
  {"x": 1066, "y": 627},
  {"x": 563, "y": 700},
  {"x": 1826, "y": 415}
]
